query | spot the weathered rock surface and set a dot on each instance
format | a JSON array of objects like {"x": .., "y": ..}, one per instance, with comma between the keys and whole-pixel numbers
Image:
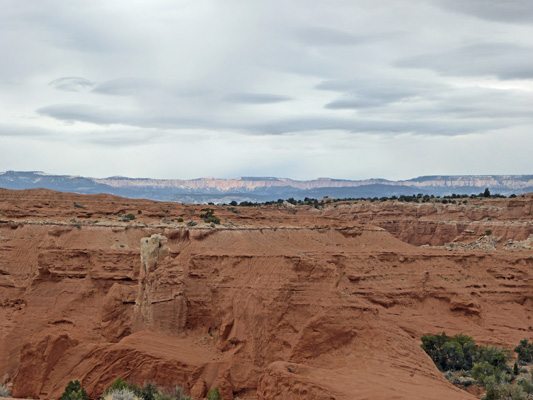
[{"x": 274, "y": 303}]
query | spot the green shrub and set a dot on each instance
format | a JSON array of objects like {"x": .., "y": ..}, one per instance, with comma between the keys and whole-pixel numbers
[
  {"x": 4, "y": 391},
  {"x": 524, "y": 351},
  {"x": 214, "y": 394},
  {"x": 450, "y": 353},
  {"x": 121, "y": 394},
  {"x": 527, "y": 384},
  {"x": 209, "y": 216},
  {"x": 122, "y": 390},
  {"x": 498, "y": 357},
  {"x": 149, "y": 391},
  {"x": 180, "y": 219},
  {"x": 74, "y": 391},
  {"x": 176, "y": 393},
  {"x": 117, "y": 384},
  {"x": 482, "y": 371},
  {"x": 120, "y": 384}
]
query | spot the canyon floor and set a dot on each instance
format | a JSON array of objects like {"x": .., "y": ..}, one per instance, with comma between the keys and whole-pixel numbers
[{"x": 273, "y": 303}]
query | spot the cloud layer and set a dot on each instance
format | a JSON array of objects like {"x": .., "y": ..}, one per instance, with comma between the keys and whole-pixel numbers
[{"x": 300, "y": 89}]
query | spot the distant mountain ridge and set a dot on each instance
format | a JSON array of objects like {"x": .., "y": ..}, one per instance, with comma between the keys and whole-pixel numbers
[{"x": 203, "y": 190}]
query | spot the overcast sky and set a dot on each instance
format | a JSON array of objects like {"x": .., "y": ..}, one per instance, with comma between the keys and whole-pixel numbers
[{"x": 301, "y": 89}]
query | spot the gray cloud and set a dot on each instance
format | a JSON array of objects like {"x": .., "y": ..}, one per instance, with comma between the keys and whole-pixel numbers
[
  {"x": 72, "y": 84},
  {"x": 7, "y": 130},
  {"x": 323, "y": 36},
  {"x": 106, "y": 117},
  {"x": 520, "y": 11},
  {"x": 372, "y": 126},
  {"x": 113, "y": 116},
  {"x": 256, "y": 98},
  {"x": 125, "y": 86},
  {"x": 374, "y": 92},
  {"x": 416, "y": 100},
  {"x": 503, "y": 60}
]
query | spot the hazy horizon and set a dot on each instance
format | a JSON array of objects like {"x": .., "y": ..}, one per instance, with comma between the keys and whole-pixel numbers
[{"x": 45, "y": 173}]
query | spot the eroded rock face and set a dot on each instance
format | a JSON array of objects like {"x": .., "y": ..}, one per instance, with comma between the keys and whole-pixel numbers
[
  {"x": 286, "y": 304},
  {"x": 160, "y": 302}
]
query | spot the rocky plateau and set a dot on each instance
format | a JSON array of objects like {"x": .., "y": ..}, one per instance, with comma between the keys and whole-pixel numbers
[{"x": 273, "y": 303}]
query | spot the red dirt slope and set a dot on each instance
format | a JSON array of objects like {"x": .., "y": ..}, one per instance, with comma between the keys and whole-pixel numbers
[{"x": 274, "y": 303}]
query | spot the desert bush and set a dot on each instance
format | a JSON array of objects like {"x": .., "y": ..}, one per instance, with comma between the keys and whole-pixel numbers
[
  {"x": 175, "y": 395},
  {"x": 121, "y": 394},
  {"x": 4, "y": 391},
  {"x": 120, "y": 384},
  {"x": 129, "y": 217},
  {"x": 456, "y": 380},
  {"x": 460, "y": 352},
  {"x": 450, "y": 353},
  {"x": 495, "y": 356},
  {"x": 214, "y": 394},
  {"x": 209, "y": 216},
  {"x": 179, "y": 394},
  {"x": 74, "y": 391},
  {"x": 450, "y": 376},
  {"x": 524, "y": 351},
  {"x": 527, "y": 384},
  {"x": 122, "y": 390},
  {"x": 486, "y": 365},
  {"x": 482, "y": 371},
  {"x": 505, "y": 392},
  {"x": 149, "y": 391}
]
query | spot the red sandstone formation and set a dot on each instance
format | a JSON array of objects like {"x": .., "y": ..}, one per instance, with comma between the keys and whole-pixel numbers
[{"x": 274, "y": 303}]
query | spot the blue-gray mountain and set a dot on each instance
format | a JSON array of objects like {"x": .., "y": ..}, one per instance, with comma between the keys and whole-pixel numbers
[{"x": 261, "y": 189}]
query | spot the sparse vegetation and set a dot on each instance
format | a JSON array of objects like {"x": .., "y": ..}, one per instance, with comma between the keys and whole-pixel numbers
[
  {"x": 524, "y": 351},
  {"x": 4, "y": 391},
  {"x": 414, "y": 198},
  {"x": 129, "y": 217},
  {"x": 191, "y": 223},
  {"x": 122, "y": 390},
  {"x": 209, "y": 216},
  {"x": 487, "y": 366},
  {"x": 121, "y": 394},
  {"x": 74, "y": 391},
  {"x": 214, "y": 394}
]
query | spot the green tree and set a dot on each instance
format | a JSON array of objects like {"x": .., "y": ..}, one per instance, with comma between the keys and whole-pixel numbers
[
  {"x": 524, "y": 351},
  {"x": 74, "y": 391}
]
